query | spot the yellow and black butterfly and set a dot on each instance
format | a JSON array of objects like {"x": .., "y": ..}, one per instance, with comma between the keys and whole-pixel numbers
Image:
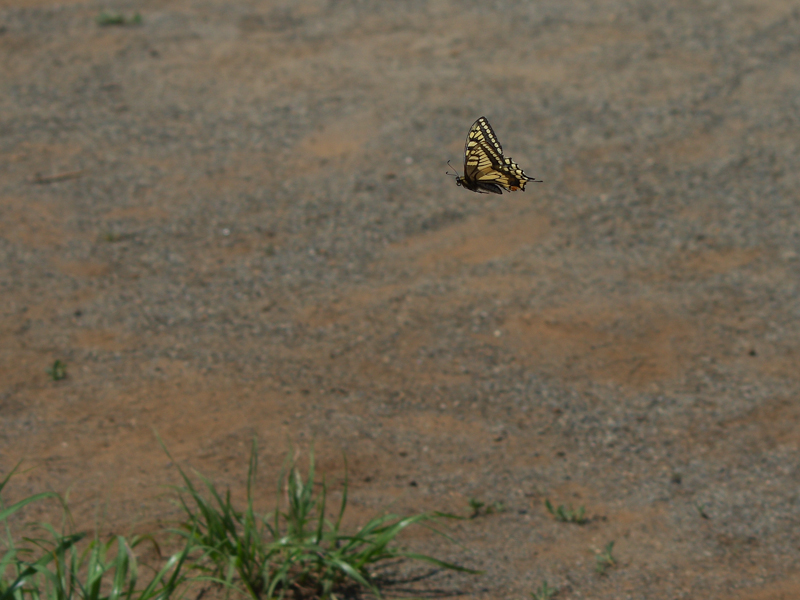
[{"x": 486, "y": 170}]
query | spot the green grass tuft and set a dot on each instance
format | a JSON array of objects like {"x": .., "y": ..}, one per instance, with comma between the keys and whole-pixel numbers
[
  {"x": 60, "y": 567},
  {"x": 295, "y": 550}
]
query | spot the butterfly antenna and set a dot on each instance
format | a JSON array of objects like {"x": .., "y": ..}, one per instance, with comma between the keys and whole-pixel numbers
[{"x": 454, "y": 173}]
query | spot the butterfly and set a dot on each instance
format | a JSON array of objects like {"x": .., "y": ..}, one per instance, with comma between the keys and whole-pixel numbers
[{"x": 485, "y": 168}]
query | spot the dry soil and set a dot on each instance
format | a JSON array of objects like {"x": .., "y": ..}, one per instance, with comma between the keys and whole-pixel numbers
[{"x": 233, "y": 220}]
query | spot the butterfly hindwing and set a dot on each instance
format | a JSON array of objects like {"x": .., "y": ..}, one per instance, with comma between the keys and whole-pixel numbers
[{"x": 485, "y": 167}]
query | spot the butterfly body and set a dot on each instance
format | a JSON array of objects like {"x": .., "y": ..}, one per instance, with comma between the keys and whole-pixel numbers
[
  {"x": 486, "y": 170},
  {"x": 482, "y": 187}
]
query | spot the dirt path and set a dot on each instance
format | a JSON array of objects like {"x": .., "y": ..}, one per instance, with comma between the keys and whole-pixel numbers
[{"x": 233, "y": 220}]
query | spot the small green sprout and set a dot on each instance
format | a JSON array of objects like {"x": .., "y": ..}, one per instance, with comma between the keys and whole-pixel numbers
[
  {"x": 58, "y": 371},
  {"x": 107, "y": 19},
  {"x": 111, "y": 237},
  {"x": 567, "y": 514},
  {"x": 480, "y": 508},
  {"x": 605, "y": 559},
  {"x": 545, "y": 592}
]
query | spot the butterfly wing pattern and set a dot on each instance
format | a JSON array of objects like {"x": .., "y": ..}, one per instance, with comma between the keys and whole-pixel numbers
[{"x": 486, "y": 170}]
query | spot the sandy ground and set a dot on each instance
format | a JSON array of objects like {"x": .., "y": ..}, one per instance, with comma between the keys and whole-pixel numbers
[{"x": 233, "y": 220}]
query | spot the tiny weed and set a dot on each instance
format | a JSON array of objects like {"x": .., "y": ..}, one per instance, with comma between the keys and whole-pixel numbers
[
  {"x": 58, "y": 371},
  {"x": 605, "y": 560},
  {"x": 107, "y": 19},
  {"x": 701, "y": 509},
  {"x": 545, "y": 592},
  {"x": 481, "y": 508},
  {"x": 567, "y": 514},
  {"x": 476, "y": 506},
  {"x": 111, "y": 237}
]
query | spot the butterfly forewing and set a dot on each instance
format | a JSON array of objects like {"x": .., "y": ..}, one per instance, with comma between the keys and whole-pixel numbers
[{"x": 489, "y": 135}]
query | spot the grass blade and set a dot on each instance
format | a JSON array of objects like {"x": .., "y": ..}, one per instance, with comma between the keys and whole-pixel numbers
[{"x": 5, "y": 513}]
